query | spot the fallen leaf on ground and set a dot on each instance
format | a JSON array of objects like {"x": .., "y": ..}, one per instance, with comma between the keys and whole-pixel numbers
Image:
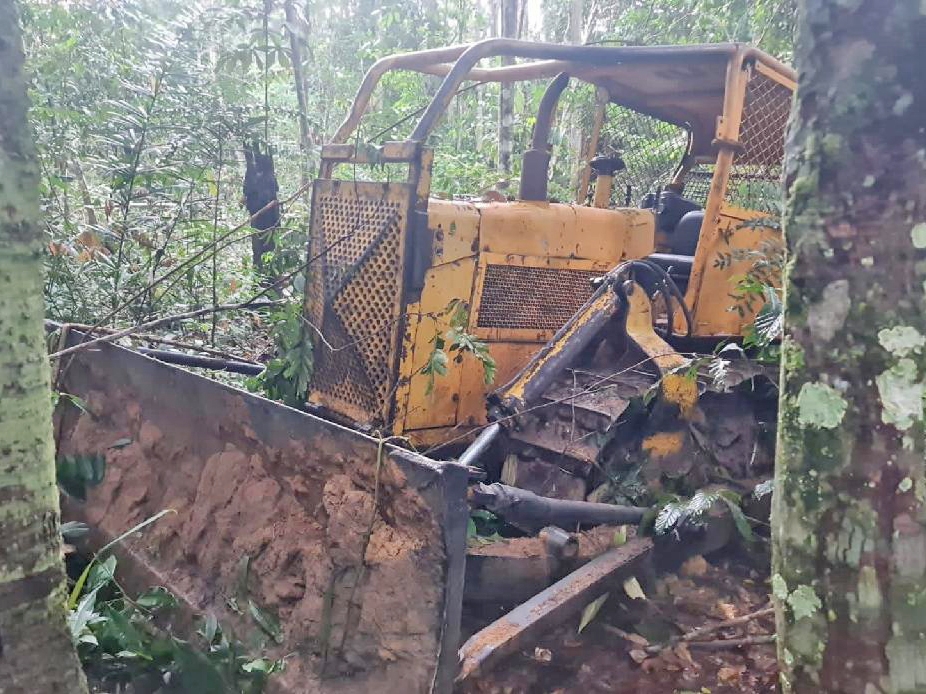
[
  {"x": 591, "y": 610},
  {"x": 633, "y": 589},
  {"x": 681, "y": 650},
  {"x": 730, "y": 675},
  {"x": 637, "y": 655},
  {"x": 543, "y": 655},
  {"x": 694, "y": 567},
  {"x": 726, "y": 610}
]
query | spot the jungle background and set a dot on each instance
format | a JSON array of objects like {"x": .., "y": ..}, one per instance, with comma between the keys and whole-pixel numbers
[{"x": 144, "y": 112}]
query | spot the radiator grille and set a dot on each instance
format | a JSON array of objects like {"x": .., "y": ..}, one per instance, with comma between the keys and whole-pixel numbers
[
  {"x": 532, "y": 298},
  {"x": 357, "y": 229}
]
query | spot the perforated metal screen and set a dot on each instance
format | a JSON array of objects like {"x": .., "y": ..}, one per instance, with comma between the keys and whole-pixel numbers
[
  {"x": 533, "y": 298},
  {"x": 355, "y": 297}
]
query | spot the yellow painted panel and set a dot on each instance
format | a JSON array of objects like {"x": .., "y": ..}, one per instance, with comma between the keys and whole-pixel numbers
[
  {"x": 565, "y": 231},
  {"x": 402, "y": 391},
  {"x": 439, "y": 408},
  {"x": 510, "y": 357},
  {"x": 718, "y": 310},
  {"x": 641, "y": 233},
  {"x": 456, "y": 230}
]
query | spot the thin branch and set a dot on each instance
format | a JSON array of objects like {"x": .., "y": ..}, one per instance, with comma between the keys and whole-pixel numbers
[
  {"x": 118, "y": 334},
  {"x": 197, "y": 257},
  {"x": 215, "y": 252},
  {"x": 722, "y": 644},
  {"x": 691, "y": 637},
  {"x": 736, "y": 621}
]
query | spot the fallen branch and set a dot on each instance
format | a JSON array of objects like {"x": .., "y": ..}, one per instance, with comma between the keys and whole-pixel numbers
[
  {"x": 85, "y": 328},
  {"x": 112, "y": 337},
  {"x": 735, "y": 622},
  {"x": 691, "y": 637},
  {"x": 201, "y": 362},
  {"x": 722, "y": 644}
]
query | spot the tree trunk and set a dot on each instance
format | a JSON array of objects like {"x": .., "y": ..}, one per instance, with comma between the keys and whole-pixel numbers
[
  {"x": 296, "y": 28},
  {"x": 570, "y": 118},
  {"x": 36, "y": 654},
  {"x": 509, "y": 29},
  {"x": 848, "y": 528}
]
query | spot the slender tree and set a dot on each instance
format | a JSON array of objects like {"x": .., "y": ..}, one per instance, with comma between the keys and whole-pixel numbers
[
  {"x": 850, "y": 498},
  {"x": 508, "y": 25},
  {"x": 36, "y": 654}
]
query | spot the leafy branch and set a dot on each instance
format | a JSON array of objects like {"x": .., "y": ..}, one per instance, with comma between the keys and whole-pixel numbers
[
  {"x": 287, "y": 375},
  {"x": 692, "y": 513},
  {"x": 456, "y": 342}
]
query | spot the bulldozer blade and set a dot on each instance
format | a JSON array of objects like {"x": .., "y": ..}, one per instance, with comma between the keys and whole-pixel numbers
[{"x": 290, "y": 495}]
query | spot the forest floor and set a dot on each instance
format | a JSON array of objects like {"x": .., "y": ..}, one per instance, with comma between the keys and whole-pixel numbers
[{"x": 614, "y": 652}]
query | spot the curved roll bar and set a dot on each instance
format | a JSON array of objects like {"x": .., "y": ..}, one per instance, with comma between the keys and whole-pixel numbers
[{"x": 554, "y": 58}]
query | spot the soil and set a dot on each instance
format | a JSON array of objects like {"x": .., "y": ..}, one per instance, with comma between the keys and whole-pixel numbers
[
  {"x": 610, "y": 654},
  {"x": 592, "y": 542},
  {"x": 277, "y": 520}
]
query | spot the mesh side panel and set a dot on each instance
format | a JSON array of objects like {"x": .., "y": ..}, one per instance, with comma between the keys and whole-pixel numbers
[
  {"x": 360, "y": 237},
  {"x": 756, "y": 174},
  {"x": 697, "y": 186},
  {"x": 651, "y": 149},
  {"x": 366, "y": 305},
  {"x": 754, "y": 181},
  {"x": 533, "y": 298}
]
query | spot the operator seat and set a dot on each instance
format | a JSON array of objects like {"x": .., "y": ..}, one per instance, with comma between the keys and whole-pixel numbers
[{"x": 681, "y": 220}]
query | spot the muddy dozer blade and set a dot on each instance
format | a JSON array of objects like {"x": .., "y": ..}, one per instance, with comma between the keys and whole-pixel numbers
[{"x": 272, "y": 513}]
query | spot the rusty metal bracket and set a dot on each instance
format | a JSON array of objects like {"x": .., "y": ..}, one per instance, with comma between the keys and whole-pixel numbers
[{"x": 550, "y": 607}]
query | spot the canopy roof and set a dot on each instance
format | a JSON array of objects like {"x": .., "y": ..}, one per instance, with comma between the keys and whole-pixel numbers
[{"x": 684, "y": 85}]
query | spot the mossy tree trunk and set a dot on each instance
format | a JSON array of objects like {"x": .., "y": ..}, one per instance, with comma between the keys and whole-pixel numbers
[
  {"x": 36, "y": 654},
  {"x": 849, "y": 520}
]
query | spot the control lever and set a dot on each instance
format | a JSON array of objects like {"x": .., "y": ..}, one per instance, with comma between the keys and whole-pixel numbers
[{"x": 605, "y": 168}]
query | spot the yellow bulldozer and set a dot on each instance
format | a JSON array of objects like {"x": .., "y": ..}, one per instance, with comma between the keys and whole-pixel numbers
[
  {"x": 581, "y": 307},
  {"x": 588, "y": 317}
]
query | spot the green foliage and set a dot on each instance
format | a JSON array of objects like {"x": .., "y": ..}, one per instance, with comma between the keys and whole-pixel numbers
[
  {"x": 119, "y": 640},
  {"x": 678, "y": 512},
  {"x": 456, "y": 342},
  {"x": 59, "y": 397},
  {"x": 482, "y": 528},
  {"x": 77, "y": 473},
  {"x": 764, "y": 488},
  {"x": 287, "y": 375}
]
